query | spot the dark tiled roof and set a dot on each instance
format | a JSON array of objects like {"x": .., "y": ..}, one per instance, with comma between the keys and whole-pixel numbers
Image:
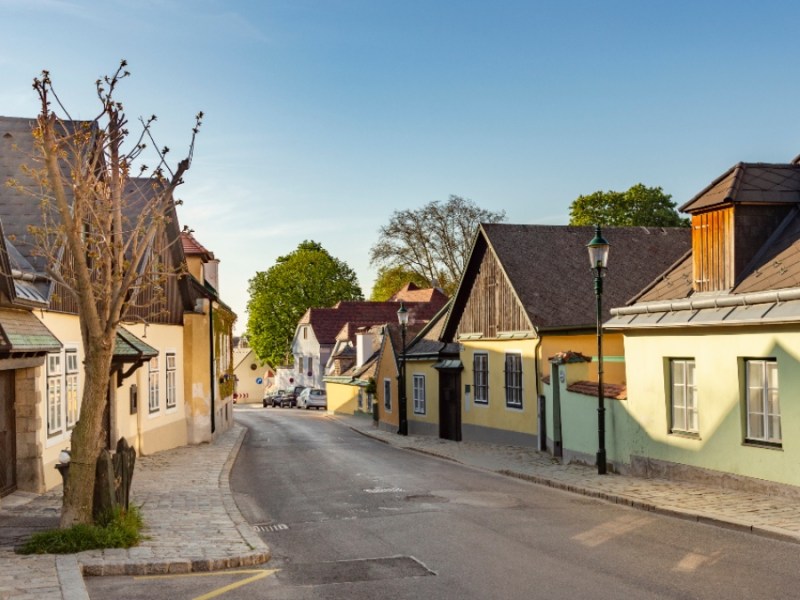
[
  {"x": 128, "y": 347},
  {"x": 20, "y": 331},
  {"x": 548, "y": 267},
  {"x": 752, "y": 183},
  {"x": 777, "y": 264},
  {"x": 674, "y": 284},
  {"x": 590, "y": 388}
]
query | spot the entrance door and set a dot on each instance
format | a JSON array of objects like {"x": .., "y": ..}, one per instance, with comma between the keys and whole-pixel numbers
[
  {"x": 8, "y": 434},
  {"x": 450, "y": 405}
]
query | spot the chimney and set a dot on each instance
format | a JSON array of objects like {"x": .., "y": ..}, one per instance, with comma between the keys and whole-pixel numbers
[
  {"x": 365, "y": 340},
  {"x": 211, "y": 273}
]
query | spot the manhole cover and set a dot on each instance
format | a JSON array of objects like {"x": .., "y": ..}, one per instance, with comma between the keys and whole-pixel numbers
[{"x": 349, "y": 571}]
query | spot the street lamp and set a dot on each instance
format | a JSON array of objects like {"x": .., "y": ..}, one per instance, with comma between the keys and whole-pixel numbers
[
  {"x": 402, "y": 318},
  {"x": 598, "y": 255}
]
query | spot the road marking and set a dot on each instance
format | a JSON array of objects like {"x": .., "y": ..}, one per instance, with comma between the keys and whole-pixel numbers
[
  {"x": 258, "y": 574},
  {"x": 266, "y": 528},
  {"x": 379, "y": 490}
]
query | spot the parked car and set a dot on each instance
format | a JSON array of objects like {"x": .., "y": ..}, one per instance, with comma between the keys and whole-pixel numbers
[
  {"x": 273, "y": 398},
  {"x": 313, "y": 398},
  {"x": 290, "y": 397}
]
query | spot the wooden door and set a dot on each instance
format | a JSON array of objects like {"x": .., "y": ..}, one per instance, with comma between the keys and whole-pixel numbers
[
  {"x": 450, "y": 405},
  {"x": 8, "y": 434}
]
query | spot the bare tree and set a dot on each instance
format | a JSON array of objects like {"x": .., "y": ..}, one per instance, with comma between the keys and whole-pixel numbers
[
  {"x": 433, "y": 241},
  {"x": 102, "y": 213}
]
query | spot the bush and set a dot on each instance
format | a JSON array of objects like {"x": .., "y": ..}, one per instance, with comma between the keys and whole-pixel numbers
[{"x": 117, "y": 529}]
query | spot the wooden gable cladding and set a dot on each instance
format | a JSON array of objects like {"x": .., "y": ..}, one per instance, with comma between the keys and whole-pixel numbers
[
  {"x": 712, "y": 250},
  {"x": 725, "y": 240},
  {"x": 153, "y": 306},
  {"x": 492, "y": 305}
]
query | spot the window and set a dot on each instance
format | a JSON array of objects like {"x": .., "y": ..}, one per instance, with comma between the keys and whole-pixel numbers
[
  {"x": 683, "y": 396},
  {"x": 763, "y": 407},
  {"x": 152, "y": 385},
  {"x": 308, "y": 366},
  {"x": 419, "y": 394},
  {"x": 387, "y": 394},
  {"x": 514, "y": 380},
  {"x": 71, "y": 356},
  {"x": 172, "y": 399},
  {"x": 54, "y": 400},
  {"x": 480, "y": 377}
]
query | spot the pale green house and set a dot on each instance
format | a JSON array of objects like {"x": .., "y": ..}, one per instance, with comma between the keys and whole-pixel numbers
[{"x": 712, "y": 347}]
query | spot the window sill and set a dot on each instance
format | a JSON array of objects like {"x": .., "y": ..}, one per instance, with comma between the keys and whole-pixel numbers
[
  {"x": 762, "y": 444},
  {"x": 689, "y": 435}
]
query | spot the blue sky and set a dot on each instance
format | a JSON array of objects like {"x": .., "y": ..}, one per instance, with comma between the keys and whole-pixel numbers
[{"x": 325, "y": 116}]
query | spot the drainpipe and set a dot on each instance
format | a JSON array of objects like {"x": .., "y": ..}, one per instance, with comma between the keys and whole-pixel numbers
[
  {"x": 540, "y": 416},
  {"x": 212, "y": 374}
]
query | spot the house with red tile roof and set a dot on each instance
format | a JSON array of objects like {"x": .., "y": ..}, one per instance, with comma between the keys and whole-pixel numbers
[{"x": 316, "y": 334}]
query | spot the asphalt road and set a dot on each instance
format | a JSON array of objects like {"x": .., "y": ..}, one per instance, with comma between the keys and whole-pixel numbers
[{"x": 349, "y": 517}]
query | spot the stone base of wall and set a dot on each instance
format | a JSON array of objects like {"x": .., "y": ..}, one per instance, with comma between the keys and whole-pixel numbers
[
  {"x": 423, "y": 428},
  {"x": 489, "y": 435},
  {"x": 642, "y": 466}
]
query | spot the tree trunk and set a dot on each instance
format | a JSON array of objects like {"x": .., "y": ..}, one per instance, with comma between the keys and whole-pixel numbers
[{"x": 87, "y": 437}]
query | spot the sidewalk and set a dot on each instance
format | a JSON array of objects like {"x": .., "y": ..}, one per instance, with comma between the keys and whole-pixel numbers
[
  {"x": 777, "y": 517},
  {"x": 193, "y": 523},
  {"x": 191, "y": 520}
]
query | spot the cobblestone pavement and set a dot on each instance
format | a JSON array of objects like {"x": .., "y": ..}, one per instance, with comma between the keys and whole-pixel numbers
[
  {"x": 762, "y": 514},
  {"x": 193, "y": 523}
]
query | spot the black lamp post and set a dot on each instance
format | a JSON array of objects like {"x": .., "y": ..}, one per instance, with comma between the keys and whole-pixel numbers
[
  {"x": 402, "y": 318},
  {"x": 598, "y": 255}
]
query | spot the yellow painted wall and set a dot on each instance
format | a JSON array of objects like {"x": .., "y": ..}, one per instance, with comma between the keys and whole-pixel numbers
[
  {"x": 247, "y": 386},
  {"x": 387, "y": 370},
  {"x": 586, "y": 344},
  {"x": 496, "y": 414},
  {"x": 718, "y": 357},
  {"x": 197, "y": 380},
  {"x": 146, "y": 432},
  {"x": 342, "y": 397}
]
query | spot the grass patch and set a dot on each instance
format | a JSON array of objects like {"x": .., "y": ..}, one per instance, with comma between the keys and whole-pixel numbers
[{"x": 119, "y": 529}]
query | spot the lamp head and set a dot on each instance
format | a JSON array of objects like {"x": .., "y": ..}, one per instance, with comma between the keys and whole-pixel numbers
[
  {"x": 598, "y": 251},
  {"x": 402, "y": 315}
]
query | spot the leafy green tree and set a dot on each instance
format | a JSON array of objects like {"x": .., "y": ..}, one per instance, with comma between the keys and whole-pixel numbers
[
  {"x": 391, "y": 279},
  {"x": 640, "y": 205},
  {"x": 308, "y": 277},
  {"x": 433, "y": 241}
]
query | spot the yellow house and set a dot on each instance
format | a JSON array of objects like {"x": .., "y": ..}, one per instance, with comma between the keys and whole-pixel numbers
[
  {"x": 526, "y": 295},
  {"x": 171, "y": 377}
]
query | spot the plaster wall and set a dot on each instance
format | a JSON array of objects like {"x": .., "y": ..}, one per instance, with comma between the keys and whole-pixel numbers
[{"x": 430, "y": 416}]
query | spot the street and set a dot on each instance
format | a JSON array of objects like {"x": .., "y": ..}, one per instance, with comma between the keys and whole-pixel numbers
[{"x": 348, "y": 517}]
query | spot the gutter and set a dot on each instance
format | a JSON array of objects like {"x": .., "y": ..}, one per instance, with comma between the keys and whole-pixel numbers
[{"x": 729, "y": 300}]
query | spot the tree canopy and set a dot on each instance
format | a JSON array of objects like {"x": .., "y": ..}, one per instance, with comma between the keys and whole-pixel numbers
[
  {"x": 640, "y": 205},
  {"x": 391, "y": 279},
  {"x": 433, "y": 241},
  {"x": 308, "y": 277}
]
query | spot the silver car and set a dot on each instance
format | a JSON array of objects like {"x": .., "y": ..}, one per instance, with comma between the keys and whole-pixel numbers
[{"x": 313, "y": 398}]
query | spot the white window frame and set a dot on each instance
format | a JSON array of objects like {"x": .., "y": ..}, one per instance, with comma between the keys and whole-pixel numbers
[
  {"x": 387, "y": 395},
  {"x": 171, "y": 368},
  {"x": 153, "y": 400},
  {"x": 71, "y": 398},
  {"x": 480, "y": 383},
  {"x": 762, "y": 401},
  {"x": 513, "y": 380},
  {"x": 418, "y": 391},
  {"x": 684, "y": 412},
  {"x": 55, "y": 396}
]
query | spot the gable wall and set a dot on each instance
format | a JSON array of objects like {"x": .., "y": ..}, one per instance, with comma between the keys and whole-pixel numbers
[{"x": 492, "y": 305}]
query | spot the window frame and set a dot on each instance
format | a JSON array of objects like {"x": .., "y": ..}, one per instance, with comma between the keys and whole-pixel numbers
[
  {"x": 387, "y": 395},
  {"x": 418, "y": 394},
  {"x": 153, "y": 387},
  {"x": 513, "y": 380},
  {"x": 767, "y": 439},
  {"x": 690, "y": 424},
  {"x": 55, "y": 395},
  {"x": 71, "y": 388},
  {"x": 171, "y": 380},
  {"x": 477, "y": 385}
]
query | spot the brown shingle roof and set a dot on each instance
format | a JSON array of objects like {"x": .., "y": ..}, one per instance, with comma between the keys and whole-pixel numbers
[
  {"x": 548, "y": 267},
  {"x": 750, "y": 182},
  {"x": 191, "y": 247},
  {"x": 412, "y": 293}
]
